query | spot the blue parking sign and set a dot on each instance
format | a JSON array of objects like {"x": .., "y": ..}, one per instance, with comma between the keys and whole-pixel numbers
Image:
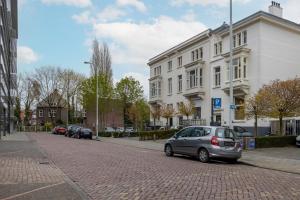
[{"x": 217, "y": 103}]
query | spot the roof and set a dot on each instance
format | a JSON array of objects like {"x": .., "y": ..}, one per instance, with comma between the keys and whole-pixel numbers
[
  {"x": 54, "y": 98},
  {"x": 224, "y": 29}
]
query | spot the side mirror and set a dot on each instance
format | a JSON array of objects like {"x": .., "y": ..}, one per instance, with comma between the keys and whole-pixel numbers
[{"x": 175, "y": 136}]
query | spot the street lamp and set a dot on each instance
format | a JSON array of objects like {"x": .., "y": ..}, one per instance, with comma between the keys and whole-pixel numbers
[
  {"x": 125, "y": 104},
  {"x": 97, "y": 98},
  {"x": 231, "y": 101}
]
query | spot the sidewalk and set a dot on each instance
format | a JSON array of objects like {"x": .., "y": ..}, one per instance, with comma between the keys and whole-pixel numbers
[
  {"x": 26, "y": 172},
  {"x": 282, "y": 159}
]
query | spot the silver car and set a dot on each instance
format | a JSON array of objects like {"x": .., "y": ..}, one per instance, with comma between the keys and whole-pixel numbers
[{"x": 205, "y": 142}]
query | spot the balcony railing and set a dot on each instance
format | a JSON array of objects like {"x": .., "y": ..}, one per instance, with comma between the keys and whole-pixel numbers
[{"x": 192, "y": 122}]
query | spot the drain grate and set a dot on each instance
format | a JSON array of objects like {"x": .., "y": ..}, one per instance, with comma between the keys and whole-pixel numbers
[{"x": 44, "y": 163}]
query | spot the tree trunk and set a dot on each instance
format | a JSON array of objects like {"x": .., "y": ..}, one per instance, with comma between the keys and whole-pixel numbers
[
  {"x": 255, "y": 126},
  {"x": 281, "y": 124}
]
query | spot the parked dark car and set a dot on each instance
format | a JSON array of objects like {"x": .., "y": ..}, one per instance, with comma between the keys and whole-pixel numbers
[
  {"x": 83, "y": 133},
  {"x": 298, "y": 141},
  {"x": 205, "y": 142},
  {"x": 71, "y": 130},
  {"x": 59, "y": 130}
]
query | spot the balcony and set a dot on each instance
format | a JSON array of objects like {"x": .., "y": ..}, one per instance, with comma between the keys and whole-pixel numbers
[
  {"x": 155, "y": 99},
  {"x": 240, "y": 87},
  {"x": 195, "y": 92}
]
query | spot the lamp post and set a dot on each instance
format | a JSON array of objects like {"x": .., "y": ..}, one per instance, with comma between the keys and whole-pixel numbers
[
  {"x": 125, "y": 104},
  {"x": 97, "y": 99},
  {"x": 231, "y": 107}
]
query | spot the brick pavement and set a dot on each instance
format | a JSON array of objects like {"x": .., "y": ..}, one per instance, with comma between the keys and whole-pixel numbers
[
  {"x": 112, "y": 171},
  {"x": 26, "y": 173},
  {"x": 282, "y": 159}
]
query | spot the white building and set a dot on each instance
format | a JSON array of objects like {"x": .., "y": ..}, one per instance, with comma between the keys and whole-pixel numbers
[{"x": 266, "y": 47}]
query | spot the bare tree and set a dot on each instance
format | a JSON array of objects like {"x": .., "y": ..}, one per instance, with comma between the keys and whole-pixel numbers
[
  {"x": 187, "y": 109},
  {"x": 101, "y": 60},
  {"x": 155, "y": 113},
  {"x": 71, "y": 82},
  {"x": 49, "y": 81},
  {"x": 167, "y": 112}
]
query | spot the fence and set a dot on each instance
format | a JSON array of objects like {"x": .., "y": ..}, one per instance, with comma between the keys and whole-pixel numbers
[
  {"x": 290, "y": 127},
  {"x": 33, "y": 129},
  {"x": 192, "y": 122}
]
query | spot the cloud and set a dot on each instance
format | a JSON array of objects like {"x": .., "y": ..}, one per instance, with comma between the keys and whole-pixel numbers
[
  {"x": 140, "y": 6},
  {"x": 26, "y": 55},
  {"x": 220, "y": 3},
  {"x": 110, "y": 13},
  {"x": 291, "y": 10},
  {"x": 76, "y": 3},
  {"x": 83, "y": 18},
  {"x": 135, "y": 43}
]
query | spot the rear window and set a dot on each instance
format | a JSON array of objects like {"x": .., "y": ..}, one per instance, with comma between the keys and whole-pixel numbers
[{"x": 225, "y": 133}]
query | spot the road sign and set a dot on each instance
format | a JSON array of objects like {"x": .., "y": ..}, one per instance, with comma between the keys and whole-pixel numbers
[
  {"x": 217, "y": 103},
  {"x": 232, "y": 107}
]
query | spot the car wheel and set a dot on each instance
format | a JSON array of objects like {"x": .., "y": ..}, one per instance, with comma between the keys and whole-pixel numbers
[
  {"x": 78, "y": 136},
  {"x": 203, "y": 155},
  {"x": 169, "y": 150}
]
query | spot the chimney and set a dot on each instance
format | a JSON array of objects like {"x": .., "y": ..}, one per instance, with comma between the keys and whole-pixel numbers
[{"x": 275, "y": 9}]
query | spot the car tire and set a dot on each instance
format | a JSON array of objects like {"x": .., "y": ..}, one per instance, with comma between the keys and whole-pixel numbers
[
  {"x": 203, "y": 155},
  {"x": 169, "y": 151}
]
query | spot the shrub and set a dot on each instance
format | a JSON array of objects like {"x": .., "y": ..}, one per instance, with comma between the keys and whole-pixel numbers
[
  {"x": 111, "y": 134},
  {"x": 275, "y": 141},
  {"x": 48, "y": 126},
  {"x": 154, "y": 135}
]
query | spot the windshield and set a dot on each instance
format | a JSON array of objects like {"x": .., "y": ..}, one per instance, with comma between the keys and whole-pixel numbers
[{"x": 225, "y": 133}]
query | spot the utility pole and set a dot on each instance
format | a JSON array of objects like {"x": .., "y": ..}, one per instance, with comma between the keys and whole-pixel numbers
[
  {"x": 97, "y": 100},
  {"x": 231, "y": 106}
]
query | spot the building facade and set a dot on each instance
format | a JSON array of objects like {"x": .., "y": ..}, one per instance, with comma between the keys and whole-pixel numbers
[
  {"x": 266, "y": 47},
  {"x": 53, "y": 109},
  {"x": 8, "y": 63}
]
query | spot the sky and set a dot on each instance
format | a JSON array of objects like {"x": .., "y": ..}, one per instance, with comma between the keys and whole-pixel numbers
[{"x": 60, "y": 32}]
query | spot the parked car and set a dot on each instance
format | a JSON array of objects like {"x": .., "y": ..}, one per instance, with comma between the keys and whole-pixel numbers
[
  {"x": 83, "y": 133},
  {"x": 71, "y": 130},
  {"x": 109, "y": 129},
  {"x": 205, "y": 142},
  {"x": 129, "y": 130},
  {"x": 59, "y": 130},
  {"x": 298, "y": 141},
  {"x": 242, "y": 132}
]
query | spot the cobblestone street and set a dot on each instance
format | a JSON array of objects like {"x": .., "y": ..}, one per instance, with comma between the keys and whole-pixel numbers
[{"x": 112, "y": 171}]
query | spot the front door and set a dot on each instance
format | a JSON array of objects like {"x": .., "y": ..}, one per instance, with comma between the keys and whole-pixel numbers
[{"x": 171, "y": 121}]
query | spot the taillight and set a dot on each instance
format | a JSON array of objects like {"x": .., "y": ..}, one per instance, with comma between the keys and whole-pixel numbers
[{"x": 214, "y": 141}]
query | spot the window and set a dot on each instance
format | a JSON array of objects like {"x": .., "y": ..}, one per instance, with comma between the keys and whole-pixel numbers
[
  {"x": 197, "y": 54},
  {"x": 218, "y": 48},
  {"x": 236, "y": 68},
  {"x": 240, "y": 39},
  {"x": 52, "y": 113},
  {"x": 192, "y": 78},
  {"x": 245, "y": 68},
  {"x": 157, "y": 71},
  {"x": 41, "y": 113},
  {"x": 170, "y": 85},
  {"x": 185, "y": 132},
  {"x": 155, "y": 89},
  {"x": 245, "y": 37},
  {"x": 180, "y": 83},
  {"x": 200, "y": 132},
  {"x": 217, "y": 78},
  {"x": 179, "y": 59},
  {"x": 170, "y": 66},
  {"x": 201, "y": 77},
  {"x": 240, "y": 108}
]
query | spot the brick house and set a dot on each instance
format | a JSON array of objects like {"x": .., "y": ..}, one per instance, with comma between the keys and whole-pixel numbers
[
  {"x": 110, "y": 115},
  {"x": 52, "y": 109}
]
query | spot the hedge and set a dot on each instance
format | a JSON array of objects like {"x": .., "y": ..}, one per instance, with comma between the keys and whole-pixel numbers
[
  {"x": 274, "y": 141},
  {"x": 117, "y": 134},
  {"x": 154, "y": 135}
]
